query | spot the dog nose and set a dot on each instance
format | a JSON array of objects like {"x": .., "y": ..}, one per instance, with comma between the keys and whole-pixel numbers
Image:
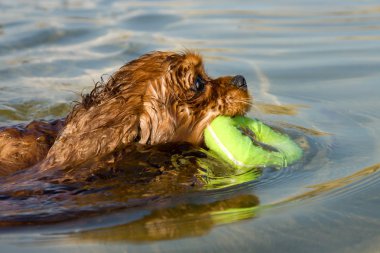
[{"x": 239, "y": 81}]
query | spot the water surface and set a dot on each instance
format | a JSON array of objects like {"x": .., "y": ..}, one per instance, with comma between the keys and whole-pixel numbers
[{"x": 317, "y": 61}]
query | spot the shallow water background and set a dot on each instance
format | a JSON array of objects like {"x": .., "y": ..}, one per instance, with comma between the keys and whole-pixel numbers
[{"x": 323, "y": 56}]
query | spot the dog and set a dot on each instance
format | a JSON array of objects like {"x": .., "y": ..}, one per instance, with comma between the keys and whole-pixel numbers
[{"x": 160, "y": 97}]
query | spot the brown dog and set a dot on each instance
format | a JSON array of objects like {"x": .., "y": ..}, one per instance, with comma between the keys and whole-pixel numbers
[{"x": 160, "y": 97}]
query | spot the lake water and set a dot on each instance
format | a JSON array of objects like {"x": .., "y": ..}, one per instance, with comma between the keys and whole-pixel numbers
[{"x": 316, "y": 62}]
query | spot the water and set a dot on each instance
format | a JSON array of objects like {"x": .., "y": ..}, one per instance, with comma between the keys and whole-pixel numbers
[{"x": 317, "y": 61}]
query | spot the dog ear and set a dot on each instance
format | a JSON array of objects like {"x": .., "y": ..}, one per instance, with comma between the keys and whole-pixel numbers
[{"x": 96, "y": 131}]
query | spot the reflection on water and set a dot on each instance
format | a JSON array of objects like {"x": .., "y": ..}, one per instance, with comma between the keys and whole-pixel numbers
[
  {"x": 143, "y": 176},
  {"x": 339, "y": 183},
  {"x": 186, "y": 220},
  {"x": 35, "y": 109},
  {"x": 313, "y": 70},
  {"x": 278, "y": 109},
  {"x": 183, "y": 220}
]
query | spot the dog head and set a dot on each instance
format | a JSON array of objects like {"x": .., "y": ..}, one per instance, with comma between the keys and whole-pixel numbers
[{"x": 181, "y": 99}]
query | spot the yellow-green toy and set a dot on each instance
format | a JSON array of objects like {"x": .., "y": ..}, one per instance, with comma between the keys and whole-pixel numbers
[{"x": 248, "y": 143}]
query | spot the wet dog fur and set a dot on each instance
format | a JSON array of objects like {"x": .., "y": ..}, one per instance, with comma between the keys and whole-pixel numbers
[{"x": 160, "y": 97}]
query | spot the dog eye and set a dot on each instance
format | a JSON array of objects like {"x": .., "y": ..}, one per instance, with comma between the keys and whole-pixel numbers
[{"x": 199, "y": 84}]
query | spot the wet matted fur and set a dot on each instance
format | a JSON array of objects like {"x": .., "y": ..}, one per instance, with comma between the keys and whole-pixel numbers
[{"x": 158, "y": 98}]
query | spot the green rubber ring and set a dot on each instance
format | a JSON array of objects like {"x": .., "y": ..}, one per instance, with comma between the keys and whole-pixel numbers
[{"x": 249, "y": 143}]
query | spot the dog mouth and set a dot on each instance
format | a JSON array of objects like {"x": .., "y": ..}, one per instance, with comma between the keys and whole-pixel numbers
[{"x": 238, "y": 107}]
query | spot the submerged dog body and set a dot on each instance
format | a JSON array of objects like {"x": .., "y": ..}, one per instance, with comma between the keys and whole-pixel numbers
[{"x": 158, "y": 98}]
